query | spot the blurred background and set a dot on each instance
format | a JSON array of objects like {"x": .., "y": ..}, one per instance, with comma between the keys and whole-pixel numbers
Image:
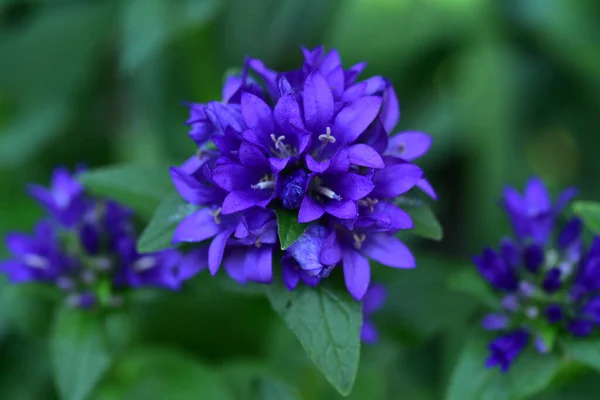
[{"x": 506, "y": 88}]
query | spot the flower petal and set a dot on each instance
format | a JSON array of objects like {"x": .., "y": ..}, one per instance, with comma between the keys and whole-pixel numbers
[
  {"x": 257, "y": 114},
  {"x": 287, "y": 114},
  {"x": 426, "y": 187},
  {"x": 331, "y": 251},
  {"x": 394, "y": 180},
  {"x": 368, "y": 332},
  {"x": 374, "y": 298},
  {"x": 344, "y": 209},
  {"x": 290, "y": 275},
  {"x": 353, "y": 186},
  {"x": 240, "y": 200},
  {"x": 317, "y": 166},
  {"x": 258, "y": 266},
  {"x": 216, "y": 250},
  {"x": 353, "y": 119},
  {"x": 365, "y": 156},
  {"x": 409, "y": 145},
  {"x": 388, "y": 250},
  {"x": 251, "y": 156},
  {"x": 357, "y": 273},
  {"x": 234, "y": 177},
  {"x": 390, "y": 109},
  {"x": 537, "y": 197},
  {"x": 233, "y": 263},
  {"x": 310, "y": 210},
  {"x": 193, "y": 263},
  {"x": 318, "y": 103},
  {"x": 197, "y": 227}
]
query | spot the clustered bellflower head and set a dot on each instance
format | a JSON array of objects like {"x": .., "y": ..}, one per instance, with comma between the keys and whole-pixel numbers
[
  {"x": 314, "y": 142},
  {"x": 86, "y": 248},
  {"x": 549, "y": 281}
]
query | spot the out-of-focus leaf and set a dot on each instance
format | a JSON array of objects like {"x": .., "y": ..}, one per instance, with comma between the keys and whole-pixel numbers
[
  {"x": 326, "y": 321},
  {"x": 140, "y": 188},
  {"x": 425, "y": 222},
  {"x": 470, "y": 282},
  {"x": 163, "y": 373},
  {"x": 585, "y": 351},
  {"x": 81, "y": 352},
  {"x": 252, "y": 381},
  {"x": 589, "y": 211},
  {"x": 149, "y": 26},
  {"x": 158, "y": 234},
  {"x": 530, "y": 374},
  {"x": 43, "y": 67},
  {"x": 408, "y": 312},
  {"x": 288, "y": 228}
]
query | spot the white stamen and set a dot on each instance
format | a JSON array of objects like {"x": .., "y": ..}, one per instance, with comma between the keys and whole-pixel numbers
[
  {"x": 358, "y": 240},
  {"x": 264, "y": 185},
  {"x": 368, "y": 202},
  {"x": 216, "y": 215},
  {"x": 144, "y": 264},
  {"x": 328, "y": 193},
  {"x": 327, "y": 137},
  {"x": 35, "y": 261},
  {"x": 532, "y": 312},
  {"x": 551, "y": 258},
  {"x": 279, "y": 145}
]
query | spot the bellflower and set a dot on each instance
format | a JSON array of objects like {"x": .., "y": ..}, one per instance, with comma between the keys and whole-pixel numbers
[
  {"x": 548, "y": 282},
  {"x": 86, "y": 248},
  {"x": 372, "y": 302},
  {"x": 314, "y": 142}
]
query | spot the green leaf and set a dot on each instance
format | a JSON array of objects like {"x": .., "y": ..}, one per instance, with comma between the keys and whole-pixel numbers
[
  {"x": 530, "y": 373},
  {"x": 253, "y": 381},
  {"x": 327, "y": 322},
  {"x": 81, "y": 352},
  {"x": 589, "y": 211},
  {"x": 425, "y": 222},
  {"x": 164, "y": 373},
  {"x": 288, "y": 227},
  {"x": 141, "y": 188},
  {"x": 584, "y": 351},
  {"x": 158, "y": 234},
  {"x": 470, "y": 282}
]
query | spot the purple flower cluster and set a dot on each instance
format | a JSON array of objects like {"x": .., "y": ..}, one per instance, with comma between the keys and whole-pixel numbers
[
  {"x": 313, "y": 142},
  {"x": 86, "y": 247},
  {"x": 549, "y": 285}
]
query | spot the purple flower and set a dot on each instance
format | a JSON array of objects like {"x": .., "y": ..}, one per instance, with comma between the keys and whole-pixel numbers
[
  {"x": 506, "y": 348},
  {"x": 87, "y": 249},
  {"x": 552, "y": 281},
  {"x": 372, "y": 302},
  {"x": 315, "y": 142},
  {"x": 64, "y": 200}
]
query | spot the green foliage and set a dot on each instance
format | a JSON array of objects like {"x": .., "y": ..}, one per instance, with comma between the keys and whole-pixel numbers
[
  {"x": 288, "y": 228},
  {"x": 141, "y": 188},
  {"x": 585, "y": 351},
  {"x": 158, "y": 234},
  {"x": 327, "y": 322},
  {"x": 530, "y": 374},
  {"x": 425, "y": 222},
  {"x": 470, "y": 282},
  {"x": 589, "y": 211},
  {"x": 82, "y": 350}
]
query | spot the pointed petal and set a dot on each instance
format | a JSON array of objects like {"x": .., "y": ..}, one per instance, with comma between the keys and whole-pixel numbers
[
  {"x": 193, "y": 263},
  {"x": 374, "y": 299},
  {"x": 331, "y": 252},
  {"x": 317, "y": 166},
  {"x": 426, "y": 187},
  {"x": 390, "y": 110},
  {"x": 368, "y": 332},
  {"x": 287, "y": 114},
  {"x": 318, "y": 103},
  {"x": 233, "y": 263},
  {"x": 396, "y": 179},
  {"x": 345, "y": 209},
  {"x": 257, "y": 114},
  {"x": 357, "y": 273},
  {"x": 234, "y": 177},
  {"x": 240, "y": 200},
  {"x": 216, "y": 250},
  {"x": 310, "y": 210},
  {"x": 353, "y": 119},
  {"x": 251, "y": 156},
  {"x": 388, "y": 250},
  {"x": 353, "y": 186},
  {"x": 290, "y": 275},
  {"x": 409, "y": 145},
  {"x": 258, "y": 266},
  {"x": 537, "y": 196},
  {"x": 19, "y": 244},
  {"x": 197, "y": 227},
  {"x": 365, "y": 156}
]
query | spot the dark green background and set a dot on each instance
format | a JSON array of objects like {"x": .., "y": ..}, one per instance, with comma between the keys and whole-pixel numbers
[{"x": 506, "y": 88}]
